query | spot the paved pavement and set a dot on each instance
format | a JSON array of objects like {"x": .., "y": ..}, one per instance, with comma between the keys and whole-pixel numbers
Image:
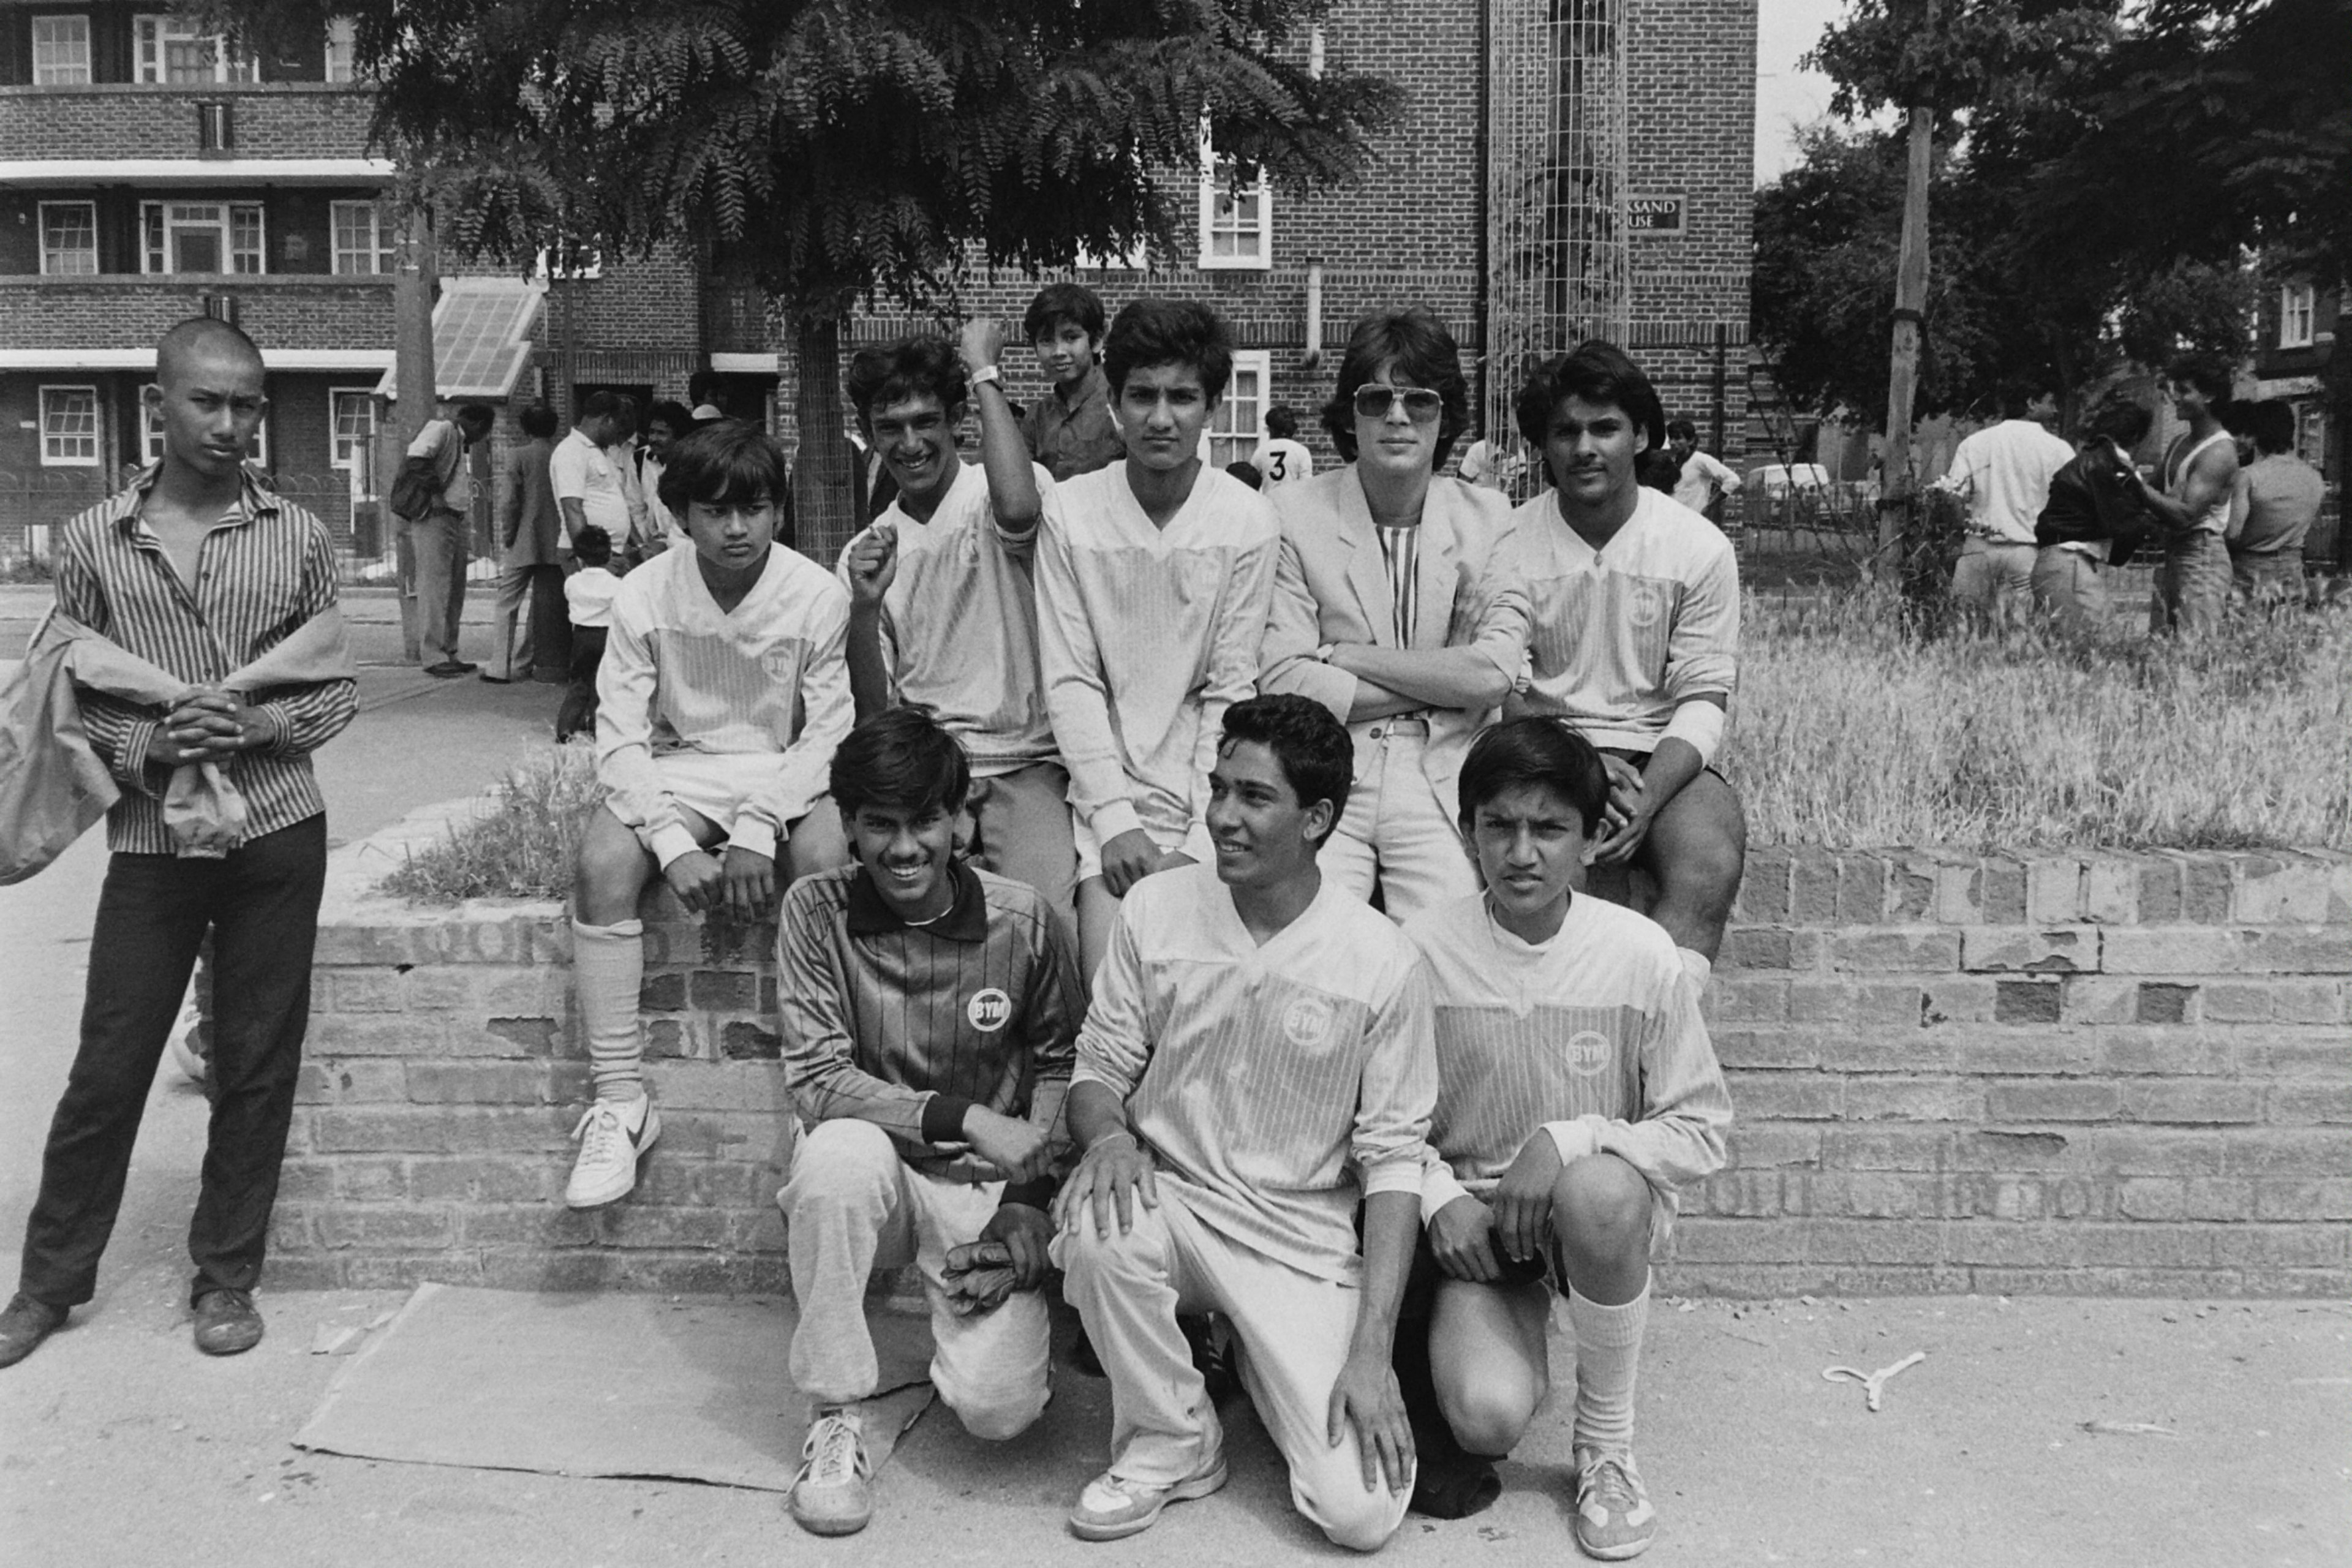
[{"x": 119, "y": 1445}]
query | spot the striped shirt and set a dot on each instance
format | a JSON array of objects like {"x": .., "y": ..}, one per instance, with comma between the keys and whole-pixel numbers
[
  {"x": 1593, "y": 1035},
  {"x": 1148, "y": 636},
  {"x": 264, "y": 568},
  {"x": 1400, "y": 554},
  {"x": 959, "y": 624},
  {"x": 1278, "y": 1084},
  {"x": 1626, "y": 634},
  {"x": 908, "y": 1026},
  {"x": 768, "y": 679}
]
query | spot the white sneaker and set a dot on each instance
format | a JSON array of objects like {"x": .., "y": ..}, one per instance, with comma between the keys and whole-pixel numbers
[
  {"x": 613, "y": 1135},
  {"x": 1113, "y": 1507},
  {"x": 830, "y": 1495}
]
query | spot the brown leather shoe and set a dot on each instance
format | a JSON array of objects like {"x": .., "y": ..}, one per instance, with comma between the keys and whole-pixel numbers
[
  {"x": 24, "y": 1324},
  {"x": 227, "y": 1323}
]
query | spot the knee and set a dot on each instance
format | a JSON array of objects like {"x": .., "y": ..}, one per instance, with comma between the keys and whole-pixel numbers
[
  {"x": 1088, "y": 1258},
  {"x": 1706, "y": 867},
  {"x": 1490, "y": 1414},
  {"x": 1351, "y": 1517},
  {"x": 1601, "y": 1207},
  {"x": 839, "y": 1161},
  {"x": 611, "y": 870},
  {"x": 1000, "y": 1417}
]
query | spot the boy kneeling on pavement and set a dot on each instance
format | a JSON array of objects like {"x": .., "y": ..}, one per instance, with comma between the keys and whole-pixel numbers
[
  {"x": 1577, "y": 1093},
  {"x": 929, "y": 1013}
]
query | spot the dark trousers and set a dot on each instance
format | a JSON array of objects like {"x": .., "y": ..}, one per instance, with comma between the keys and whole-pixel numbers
[
  {"x": 578, "y": 714},
  {"x": 261, "y": 905}
]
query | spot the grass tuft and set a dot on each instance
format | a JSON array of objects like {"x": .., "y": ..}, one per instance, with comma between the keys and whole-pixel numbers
[
  {"x": 523, "y": 847},
  {"x": 1851, "y": 730}
]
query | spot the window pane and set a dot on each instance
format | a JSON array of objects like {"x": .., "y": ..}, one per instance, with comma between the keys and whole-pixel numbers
[
  {"x": 244, "y": 238},
  {"x": 196, "y": 250},
  {"x": 341, "y": 48},
  {"x": 68, "y": 238},
  {"x": 151, "y": 223},
  {"x": 60, "y": 51},
  {"x": 69, "y": 425},
  {"x": 355, "y": 422}
]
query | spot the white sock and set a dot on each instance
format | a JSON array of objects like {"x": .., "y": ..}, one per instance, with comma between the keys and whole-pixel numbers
[
  {"x": 1608, "y": 1352},
  {"x": 608, "y": 969},
  {"x": 1698, "y": 966}
]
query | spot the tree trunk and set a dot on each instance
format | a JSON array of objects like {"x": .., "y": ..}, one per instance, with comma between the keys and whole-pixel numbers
[
  {"x": 1895, "y": 497},
  {"x": 414, "y": 379},
  {"x": 825, "y": 503}
]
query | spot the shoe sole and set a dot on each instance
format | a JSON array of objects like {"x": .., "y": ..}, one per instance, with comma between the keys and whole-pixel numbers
[
  {"x": 626, "y": 1182},
  {"x": 1615, "y": 1553},
  {"x": 832, "y": 1526},
  {"x": 1186, "y": 1490},
  {"x": 216, "y": 1347},
  {"x": 12, "y": 1354}
]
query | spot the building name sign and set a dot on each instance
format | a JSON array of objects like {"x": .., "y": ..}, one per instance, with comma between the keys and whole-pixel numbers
[{"x": 1656, "y": 212}]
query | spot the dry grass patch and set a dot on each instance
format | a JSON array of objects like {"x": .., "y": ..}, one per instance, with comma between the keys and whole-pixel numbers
[{"x": 1849, "y": 731}]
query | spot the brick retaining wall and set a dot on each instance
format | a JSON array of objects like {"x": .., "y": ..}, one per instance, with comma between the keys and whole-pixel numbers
[{"x": 2100, "y": 1074}]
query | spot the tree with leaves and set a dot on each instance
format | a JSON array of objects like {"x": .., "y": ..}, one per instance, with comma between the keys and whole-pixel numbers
[{"x": 837, "y": 151}]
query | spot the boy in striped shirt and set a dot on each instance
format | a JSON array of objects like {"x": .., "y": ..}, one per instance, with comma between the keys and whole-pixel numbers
[
  {"x": 942, "y": 609},
  {"x": 1635, "y": 640},
  {"x": 1577, "y": 1094},
  {"x": 1256, "y": 1061},
  {"x": 199, "y": 570},
  {"x": 1154, "y": 577},
  {"x": 928, "y": 1010},
  {"x": 722, "y": 694}
]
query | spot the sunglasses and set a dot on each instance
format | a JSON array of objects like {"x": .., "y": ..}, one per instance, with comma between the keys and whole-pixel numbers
[{"x": 1420, "y": 404}]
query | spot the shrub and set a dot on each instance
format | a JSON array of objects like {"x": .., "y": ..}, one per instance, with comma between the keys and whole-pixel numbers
[{"x": 523, "y": 847}]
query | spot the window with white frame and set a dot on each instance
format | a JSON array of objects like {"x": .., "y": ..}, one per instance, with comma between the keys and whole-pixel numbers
[
  {"x": 362, "y": 239},
  {"x": 350, "y": 412},
  {"x": 151, "y": 439},
  {"x": 343, "y": 50},
  {"x": 172, "y": 51},
  {"x": 201, "y": 237},
  {"x": 1239, "y": 423},
  {"x": 1236, "y": 225},
  {"x": 2296, "y": 308},
  {"x": 68, "y": 238},
  {"x": 60, "y": 51},
  {"x": 70, "y": 426}
]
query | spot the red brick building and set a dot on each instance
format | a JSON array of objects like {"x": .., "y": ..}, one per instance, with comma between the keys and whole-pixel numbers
[{"x": 149, "y": 176}]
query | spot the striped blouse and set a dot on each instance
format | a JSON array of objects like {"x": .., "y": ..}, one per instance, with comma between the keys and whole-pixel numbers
[{"x": 264, "y": 568}]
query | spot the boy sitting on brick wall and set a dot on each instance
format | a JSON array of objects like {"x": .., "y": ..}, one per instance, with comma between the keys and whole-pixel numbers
[
  {"x": 1577, "y": 1093},
  {"x": 930, "y": 1011},
  {"x": 723, "y": 692}
]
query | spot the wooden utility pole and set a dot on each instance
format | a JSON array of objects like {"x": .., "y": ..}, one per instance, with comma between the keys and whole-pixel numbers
[
  {"x": 413, "y": 379},
  {"x": 1895, "y": 490}
]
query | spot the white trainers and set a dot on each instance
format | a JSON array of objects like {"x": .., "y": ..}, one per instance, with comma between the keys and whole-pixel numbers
[
  {"x": 1112, "y": 1507},
  {"x": 1613, "y": 1517},
  {"x": 613, "y": 1135},
  {"x": 831, "y": 1495}
]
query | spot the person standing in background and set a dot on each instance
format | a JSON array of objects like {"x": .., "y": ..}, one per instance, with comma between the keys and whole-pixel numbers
[
  {"x": 2282, "y": 495},
  {"x": 1282, "y": 458},
  {"x": 531, "y": 571},
  {"x": 442, "y": 538},
  {"x": 1069, "y": 430},
  {"x": 586, "y": 482},
  {"x": 2003, "y": 473},
  {"x": 2192, "y": 502},
  {"x": 1704, "y": 481}
]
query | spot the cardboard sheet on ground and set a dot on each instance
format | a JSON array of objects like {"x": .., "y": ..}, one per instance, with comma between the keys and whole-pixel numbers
[{"x": 600, "y": 1384}]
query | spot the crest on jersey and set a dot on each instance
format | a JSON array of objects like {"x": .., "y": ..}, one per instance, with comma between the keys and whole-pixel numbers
[
  {"x": 1588, "y": 1052},
  {"x": 1644, "y": 605},
  {"x": 989, "y": 1010},
  {"x": 1307, "y": 1022}
]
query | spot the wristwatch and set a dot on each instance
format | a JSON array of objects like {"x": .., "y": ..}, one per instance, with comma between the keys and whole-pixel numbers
[{"x": 983, "y": 375}]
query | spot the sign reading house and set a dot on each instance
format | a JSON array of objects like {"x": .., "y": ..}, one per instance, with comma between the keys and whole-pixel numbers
[{"x": 1656, "y": 213}]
